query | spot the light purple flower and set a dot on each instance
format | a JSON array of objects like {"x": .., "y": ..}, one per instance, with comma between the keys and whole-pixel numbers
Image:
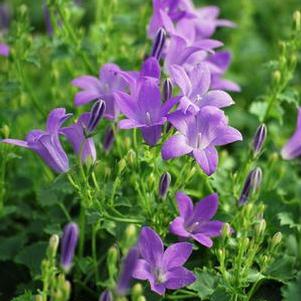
[
  {"x": 46, "y": 143},
  {"x": 144, "y": 110},
  {"x": 195, "y": 86},
  {"x": 68, "y": 245},
  {"x": 199, "y": 135},
  {"x": 292, "y": 148},
  {"x": 4, "y": 49},
  {"x": 195, "y": 221},
  {"x": 83, "y": 146},
  {"x": 104, "y": 87},
  {"x": 163, "y": 269}
]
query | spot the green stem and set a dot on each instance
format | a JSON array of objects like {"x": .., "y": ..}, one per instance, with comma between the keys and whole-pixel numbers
[{"x": 94, "y": 253}]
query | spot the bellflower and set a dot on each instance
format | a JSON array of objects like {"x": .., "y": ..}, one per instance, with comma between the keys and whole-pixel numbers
[
  {"x": 163, "y": 269},
  {"x": 104, "y": 87},
  {"x": 46, "y": 143},
  {"x": 199, "y": 135},
  {"x": 292, "y": 148},
  {"x": 144, "y": 110},
  {"x": 75, "y": 133},
  {"x": 195, "y": 85},
  {"x": 4, "y": 49},
  {"x": 195, "y": 221}
]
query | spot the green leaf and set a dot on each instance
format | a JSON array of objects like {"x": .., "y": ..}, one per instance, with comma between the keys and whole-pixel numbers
[
  {"x": 258, "y": 109},
  {"x": 31, "y": 256},
  {"x": 287, "y": 219},
  {"x": 282, "y": 269},
  {"x": 27, "y": 296},
  {"x": 9, "y": 247},
  {"x": 292, "y": 291},
  {"x": 220, "y": 294}
]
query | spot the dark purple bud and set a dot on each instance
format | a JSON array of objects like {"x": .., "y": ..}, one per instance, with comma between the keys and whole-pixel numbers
[
  {"x": 259, "y": 138},
  {"x": 167, "y": 89},
  {"x": 108, "y": 139},
  {"x": 128, "y": 266},
  {"x": 96, "y": 113},
  {"x": 106, "y": 296},
  {"x": 159, "y": 43},
  {"x": 164, "y": 184},
  {"x": 252, "y": 184},
  {"x": 47, "y": 21},
  {"x": 4, "y": 17},
  {"x": 68, "y": 245}
]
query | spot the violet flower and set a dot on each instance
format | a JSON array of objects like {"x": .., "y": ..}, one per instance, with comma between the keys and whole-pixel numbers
[
  {"x": 96, "y": 114},
  {"x": 83, "y": 146},
  {"x": 4, "y": 49},
  {"x": 104, "y": 87},
  {"x": 292, "y": 148},
  {"x": 195, "y": 86},
  {"x": 68, "y": 245},
  {"x": 195, "y": 221},
  {"x": 46, "y": 143},
  {"x": 144, "y": 110},
  {"x": 128, "y": 267},
  {"x": 163, "y": 269},
  {"x": 199, "y": 135},
  {"x": 106, "y": 296}
]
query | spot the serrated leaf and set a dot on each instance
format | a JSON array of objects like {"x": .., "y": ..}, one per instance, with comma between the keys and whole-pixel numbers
[
  {"x": 287, "y": 219},
  {"x": 282, "y": 269},
  {"x": 27, "y": 296},
  {"x": 258, "y": 109},
  {"x": 9, "y": 247},
  {"x": 292, "y": 291}
]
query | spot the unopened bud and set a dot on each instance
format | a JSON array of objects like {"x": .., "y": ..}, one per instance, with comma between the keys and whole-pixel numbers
[
  {"x": 5, "y": 131},
  {"x": 108, "y": 139},
  {"x": 151, "y": 180},
  {"x": 112, "y": 257},
  {"x": 38, "y": 298},
  {"x": 96, "y": 114},
  {"x": 53, "y": 244},
  {"x": 159, "y": 43},
  {"x": 131, "y": 156},
  {"x": 141, "y": 298},
  {"x": 245, "y": 243},
  {"x": 259, "y": 139},
  {"x": 226, "y": 231},
  {"x": 164, "y": 184},
  {"x": 137, "y": 291},
  {"x": 276, "y": 239},
  {"x": 277, "y": 76},
  {"x": 106, "y": 296},
  {"x": 260, "y": 228},
  {"x": 297, "y": 20},
  {"x": 167, "y": 89},
  {"x": 121, "y": 165}
]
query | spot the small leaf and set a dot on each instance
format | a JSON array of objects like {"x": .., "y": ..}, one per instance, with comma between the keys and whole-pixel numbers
[
  {"x": 259, "y": 109},
  {"x": 292, "y": 291}
]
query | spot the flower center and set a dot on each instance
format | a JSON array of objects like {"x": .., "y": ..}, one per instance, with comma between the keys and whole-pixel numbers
[
  {"x": 198, "y": 100},
  {"x": 148, "y": 118},
  {"x": 159, "y": 275},
  {"x": 193, "y": 227}
]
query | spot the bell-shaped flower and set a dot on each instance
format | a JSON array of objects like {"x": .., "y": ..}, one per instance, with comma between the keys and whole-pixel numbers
[
  {"x": 4, "y": 49},
  {"x": 104, "y": 87},
  {"x": 46, "y": 143},
  {"x": 144, "y": 109},
  {"x": 163, "y": 269},
  {"x": 292, "y": 148},
  {"x": 198, "y": 135},
  {"x": 83, "y": 146},
  {"x": 195, "y": 221},
  {"x": 195, "y": 85}
]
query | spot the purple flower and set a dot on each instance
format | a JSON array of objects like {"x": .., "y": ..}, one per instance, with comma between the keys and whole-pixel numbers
[
  {"x": 108, "y": 139},
  {"x": 4, "y": 49},
  {"x": 199, "y": 135},
  {"x": 75, "y": 133},
  {"x": 163, "y": 269},
  {"x": 144, "y": 110},
  {"x": 46, "y": 143},
  {"x": 195, "y": 86},
  {"x": 109, "y": 81},
  {"x": 159, "y": 43},
  {"x": 68, "y": 245},
  {"x": 195, "y": 221},
  {"x": 106, "y": 296},
  {"x": 96, "y": 114},
  {"x": 167, "y": 89},
  {"x": 292, "y": 148},
  {"x": 259, "y": 139},
  {"x": 129, "y": 265}
]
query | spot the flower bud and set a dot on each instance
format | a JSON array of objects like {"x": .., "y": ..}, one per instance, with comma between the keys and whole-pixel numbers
[
  {"x": 106, "y": 296},
  {"x": 159, "y": 43},
  {"x": 259, "y": 139},
  {"x": 68, "y": 245},
  {"x": 38, "y": 298},
  {"x": 53, "y": 244},
  {"x": 167, "y": 89},
  {"x": 276, "y": 239},
  {"x": 277, "y": 76},
  {"x": 131, "y": 156},
  {"x": 5, "y": 131},
  {"x": 112, "y": 259},
  {"x": 96, "y": 114},
  {"x": 108, "y": 139},
  {"x": 256, "y": 178},
  {"x": 226, "y": 231},
  {"x": 164, "y": 185},
  {"x": 137, "y": 291},
  {"x": 297, "y": 20},
  {"x": 260, "y": 228},
  {"x": 121, "y": 165},
  {"x": 141, "y": 298}
]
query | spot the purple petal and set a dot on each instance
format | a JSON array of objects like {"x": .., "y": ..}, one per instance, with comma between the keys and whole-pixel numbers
[
  {"x": 127, "y": 105},
  {"x": 179, "y": 277},
  {"x": 182, "y": 122},
  {"x": 206, "y": 208},
  {"x": 221, "y": 59},
  {"x": 151, "y": 134},
  {"x": 224, "y": 84},
  {"x": 175, "y": 146},
  {"x": 226, "y": 135},
  {"x": 158, "y": 288},
  {"x": 200, "y": 78},
  {"x": 212, "y": 228},
  {"x": 217, "y": 98},
  {"x": 176, "y": 255},
  {"x": 185, "y": 205},
  {"x": 86, "y": 82},
  {"x": 180, "y": 77},
  {"x": 208, "y": 44},
  {"x": 55, "y": 119},
  {"x": 129, "y": 124},
  {"x": 177, "y": 227},
  {"x": 203, "y": 240},
  {"x": 207, "y": 159},
  {"x": 151, "y": 68},
  {"x": 142, "y": 270},
  {"x": 167, "y": 106},
  {"x": 84, "y": 97},
  {"x": 150, "y": 246},
  {"x": 4, "y": 49},
  {"x": 17, "y": 142}
]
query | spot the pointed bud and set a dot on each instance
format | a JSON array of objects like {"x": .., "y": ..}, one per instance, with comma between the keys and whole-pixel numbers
[
  {"x": 108, "y": 139},
  {"x": 167, "y": 89},
  {"x": 131, "y": 156},
  {"x": 260, "y": 228},
  {"x": 159, "y": 43},
  {"x": 259, "y": 139},
  {"x": 164, "y": 184},
  {"x": 297, "y": 20},
  {"x": 277, "y": 76},
  {"x": 276, "y": 239},
  {"x": 106, "y": 296},
  {"x": 121, "y": 166},
  {"x": 226, "y": 231},
  {"x": 53, "y": 245},
  {"x": 141, "y": 298},
  {"x": 252, "y": 184},
  {"x": 68, "y": 245},
  {"x": 96, "y": 114},
  {"x": 38, "y": 298},
  {"x": 137, "y": 291}
]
